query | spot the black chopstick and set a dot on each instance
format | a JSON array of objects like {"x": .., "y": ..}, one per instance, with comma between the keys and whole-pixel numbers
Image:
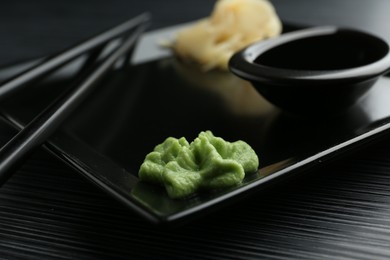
[
  {"x": 52, "y": 63},
  {"x": 42, "y": 126}
]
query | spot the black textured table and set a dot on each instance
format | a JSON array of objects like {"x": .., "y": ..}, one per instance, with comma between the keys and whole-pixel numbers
[{"x": 47, "y": 210}]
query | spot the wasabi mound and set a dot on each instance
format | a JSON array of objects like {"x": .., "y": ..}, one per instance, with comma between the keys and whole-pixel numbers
[{"x": 207, "y": 163}]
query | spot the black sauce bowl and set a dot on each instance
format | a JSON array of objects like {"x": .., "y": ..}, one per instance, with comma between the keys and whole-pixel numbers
[{"x": 321, "y": 69}]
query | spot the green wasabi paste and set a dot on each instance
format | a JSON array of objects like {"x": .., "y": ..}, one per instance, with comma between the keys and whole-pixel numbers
[{"x": 208, "y": 162}]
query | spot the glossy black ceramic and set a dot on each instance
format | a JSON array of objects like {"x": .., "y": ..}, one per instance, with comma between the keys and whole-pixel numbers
[
  {"x": 321, "y": 69},
  {"x": 136, "y": 107},
  {"x": 132, "y": 111}
]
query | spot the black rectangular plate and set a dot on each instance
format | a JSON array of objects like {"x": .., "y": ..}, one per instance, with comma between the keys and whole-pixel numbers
[{"x": 137, "y": 107}]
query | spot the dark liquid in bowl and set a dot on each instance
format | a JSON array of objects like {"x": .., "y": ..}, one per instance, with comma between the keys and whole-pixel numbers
[{"x": 342, "y": 50}]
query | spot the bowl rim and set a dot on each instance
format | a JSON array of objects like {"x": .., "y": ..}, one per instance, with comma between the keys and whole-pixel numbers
[{"x": 242, "y": 63}]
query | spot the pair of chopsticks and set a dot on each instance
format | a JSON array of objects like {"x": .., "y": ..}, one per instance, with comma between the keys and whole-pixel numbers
[{"x": 45, "y": 123}]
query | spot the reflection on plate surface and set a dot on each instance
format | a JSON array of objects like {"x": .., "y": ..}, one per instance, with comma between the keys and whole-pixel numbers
[{"x": 137, "y": 107}]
